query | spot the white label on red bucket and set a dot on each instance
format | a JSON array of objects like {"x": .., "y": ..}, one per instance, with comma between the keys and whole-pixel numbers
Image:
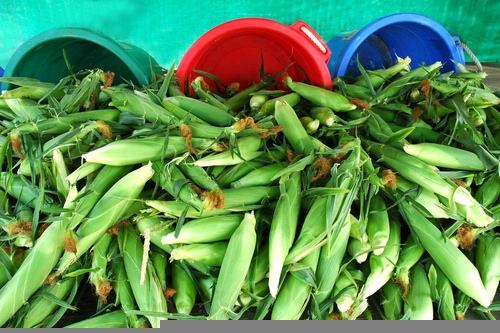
[{"x": 313, "y": 38}]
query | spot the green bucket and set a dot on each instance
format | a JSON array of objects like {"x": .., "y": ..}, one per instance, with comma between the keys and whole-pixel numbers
[{"x": 42, "y": 57}]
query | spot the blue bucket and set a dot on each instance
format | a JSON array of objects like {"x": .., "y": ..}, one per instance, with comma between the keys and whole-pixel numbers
[
  {"x": 376, "y": 45},
  {"x": 1, "y": 71}
]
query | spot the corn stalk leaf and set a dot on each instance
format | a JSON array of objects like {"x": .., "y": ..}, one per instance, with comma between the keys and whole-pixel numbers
[
  {"x": 263, "y": 308},
  {"x": 162, "y": 92},
  {"x": 399, "y": 135},
  {"x": 365, "y": 76},
  {"x": 295, "y": 167},
  {"x": 304, "y": 273},
  {"x": 180, "y": 221}
]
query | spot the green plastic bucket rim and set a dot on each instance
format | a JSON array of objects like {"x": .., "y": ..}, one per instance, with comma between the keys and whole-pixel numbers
[{"x": 82, "y": 34}]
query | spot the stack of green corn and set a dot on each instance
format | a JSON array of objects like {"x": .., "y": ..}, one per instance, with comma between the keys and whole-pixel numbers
[{"x": 378, "y": 199}]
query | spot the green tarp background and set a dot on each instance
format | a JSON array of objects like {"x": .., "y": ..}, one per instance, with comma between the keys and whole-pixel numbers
[{"x": 166, "y": 29}]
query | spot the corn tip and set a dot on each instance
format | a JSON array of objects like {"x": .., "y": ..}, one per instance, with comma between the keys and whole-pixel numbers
[
  {"x": 279, "y": 104},
  {"x": 168, "y": 239}
]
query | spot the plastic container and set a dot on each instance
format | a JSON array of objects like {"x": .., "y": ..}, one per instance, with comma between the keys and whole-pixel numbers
[
  {"x": 42, "y": 57},
  {"x": 1, "y": 71},
  {"x": 376, "y": 45},
  {"x": 233, "y": 51}
]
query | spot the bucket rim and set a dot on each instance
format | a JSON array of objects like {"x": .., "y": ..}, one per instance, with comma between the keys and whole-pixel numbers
[
  {"x": 77, "y": 33},
  {"x": 348, "y": 50},
  {"x": 272, "y": 27}
]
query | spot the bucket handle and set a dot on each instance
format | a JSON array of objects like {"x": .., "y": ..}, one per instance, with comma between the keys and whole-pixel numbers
[
  {"x": 313, "y": 37},
  {"x": 471, "y": 54}
]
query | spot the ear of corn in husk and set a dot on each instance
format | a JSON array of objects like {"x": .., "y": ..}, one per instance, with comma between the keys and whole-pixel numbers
[
  {"x": 234, "y": 268},
  {"x": 148, "y": 293},
  {"x": 419, "y": 301},
  {"x": 461, "y": 272}
]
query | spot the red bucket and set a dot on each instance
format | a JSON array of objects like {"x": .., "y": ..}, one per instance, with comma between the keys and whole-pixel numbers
[{"x": 234, "y": 51}]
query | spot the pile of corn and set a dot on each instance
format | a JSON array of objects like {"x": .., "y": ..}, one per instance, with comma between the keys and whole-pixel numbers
[{"x": 378, "y": 199}]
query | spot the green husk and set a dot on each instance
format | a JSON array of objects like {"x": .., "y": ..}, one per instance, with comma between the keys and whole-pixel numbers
[
  {"x": 425, "y": 198},
  {"x": 409, "y": 166},
  {"x": 60, "y": 173},
  {"x": 292, "y": 128},
  {"x": 330, "y": 261},
  {"x": 382, "y": 266},
  {"x": 247, "y": 149},
  {"x": 159, "y": 260},
  {"x": 311, "y": 125},
  {"x": 99, "y": 278},
  {"x": 142, "y": 150},
  {"x": 148, "y": 294},
  {"x": 489, "y": 192},
  {"x": 324, "y": 115},
  {"x": 377, "y": 227},
  {"x": 392, "y": 301},
  {"x": 93, "y": 192},
  {"x": 209, "y": 113},
  {"x": 268, "y": 107},
  {"x": 25, "y": 110},
  {"x": 345, "y": 292},
  {"x": 171, "y": 179},
  {"x": 33, "y": 271},
  {"x": 320, "y": 96},
  {"x": 123, "y": 291},
  {"x": 157, "y": 229},
  {"x": 461, "y": 272},
  {"x": 83, "y": 171},
  {"x": 236, "y": 102},
  {"x": 410, "y": 254},
  {"x": 210, "y": 254},
  {"x": 444, "y": 296},
  {"x": 256, "y": 101},
  {"x": 315, "y": 230},
  {"x": 294, "y": 294},
  {"x": 445, "y": 156},
  {"x": 488, "y": 262},
  {"x": 234, "y": 200},
  {"x": 185, "y": 290},
  {"x": 260, "y": 176},
  {"x": 42, "y": 306},
  {"x": 396, "y": 87},
  {"x": 198, "y": 84},
  {"x": 25, "y": 192},
  {"x": 198, "y": 175},
  {"x": 379, "y": 76},
  {"x": 126, "y": 101},
  {"x": 30, "y": 88},
  {"x": 419, "y": 301},
  {"x": 248, "y": 298},
  {"x": 234, "y": 269},
  {"x": 238, "y": 171},
  {"x": 115, "y": 319},
  {"x": 62, "y": 124},
  {"x": 283, "y": 228},
  {"x": 107, "y": 212},
  {"x": 358, "y": 245},
  {"x": 205, "y": 230}
]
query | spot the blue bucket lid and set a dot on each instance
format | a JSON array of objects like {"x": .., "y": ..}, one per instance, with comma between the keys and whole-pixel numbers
[{"x": 377, "y": 44}]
